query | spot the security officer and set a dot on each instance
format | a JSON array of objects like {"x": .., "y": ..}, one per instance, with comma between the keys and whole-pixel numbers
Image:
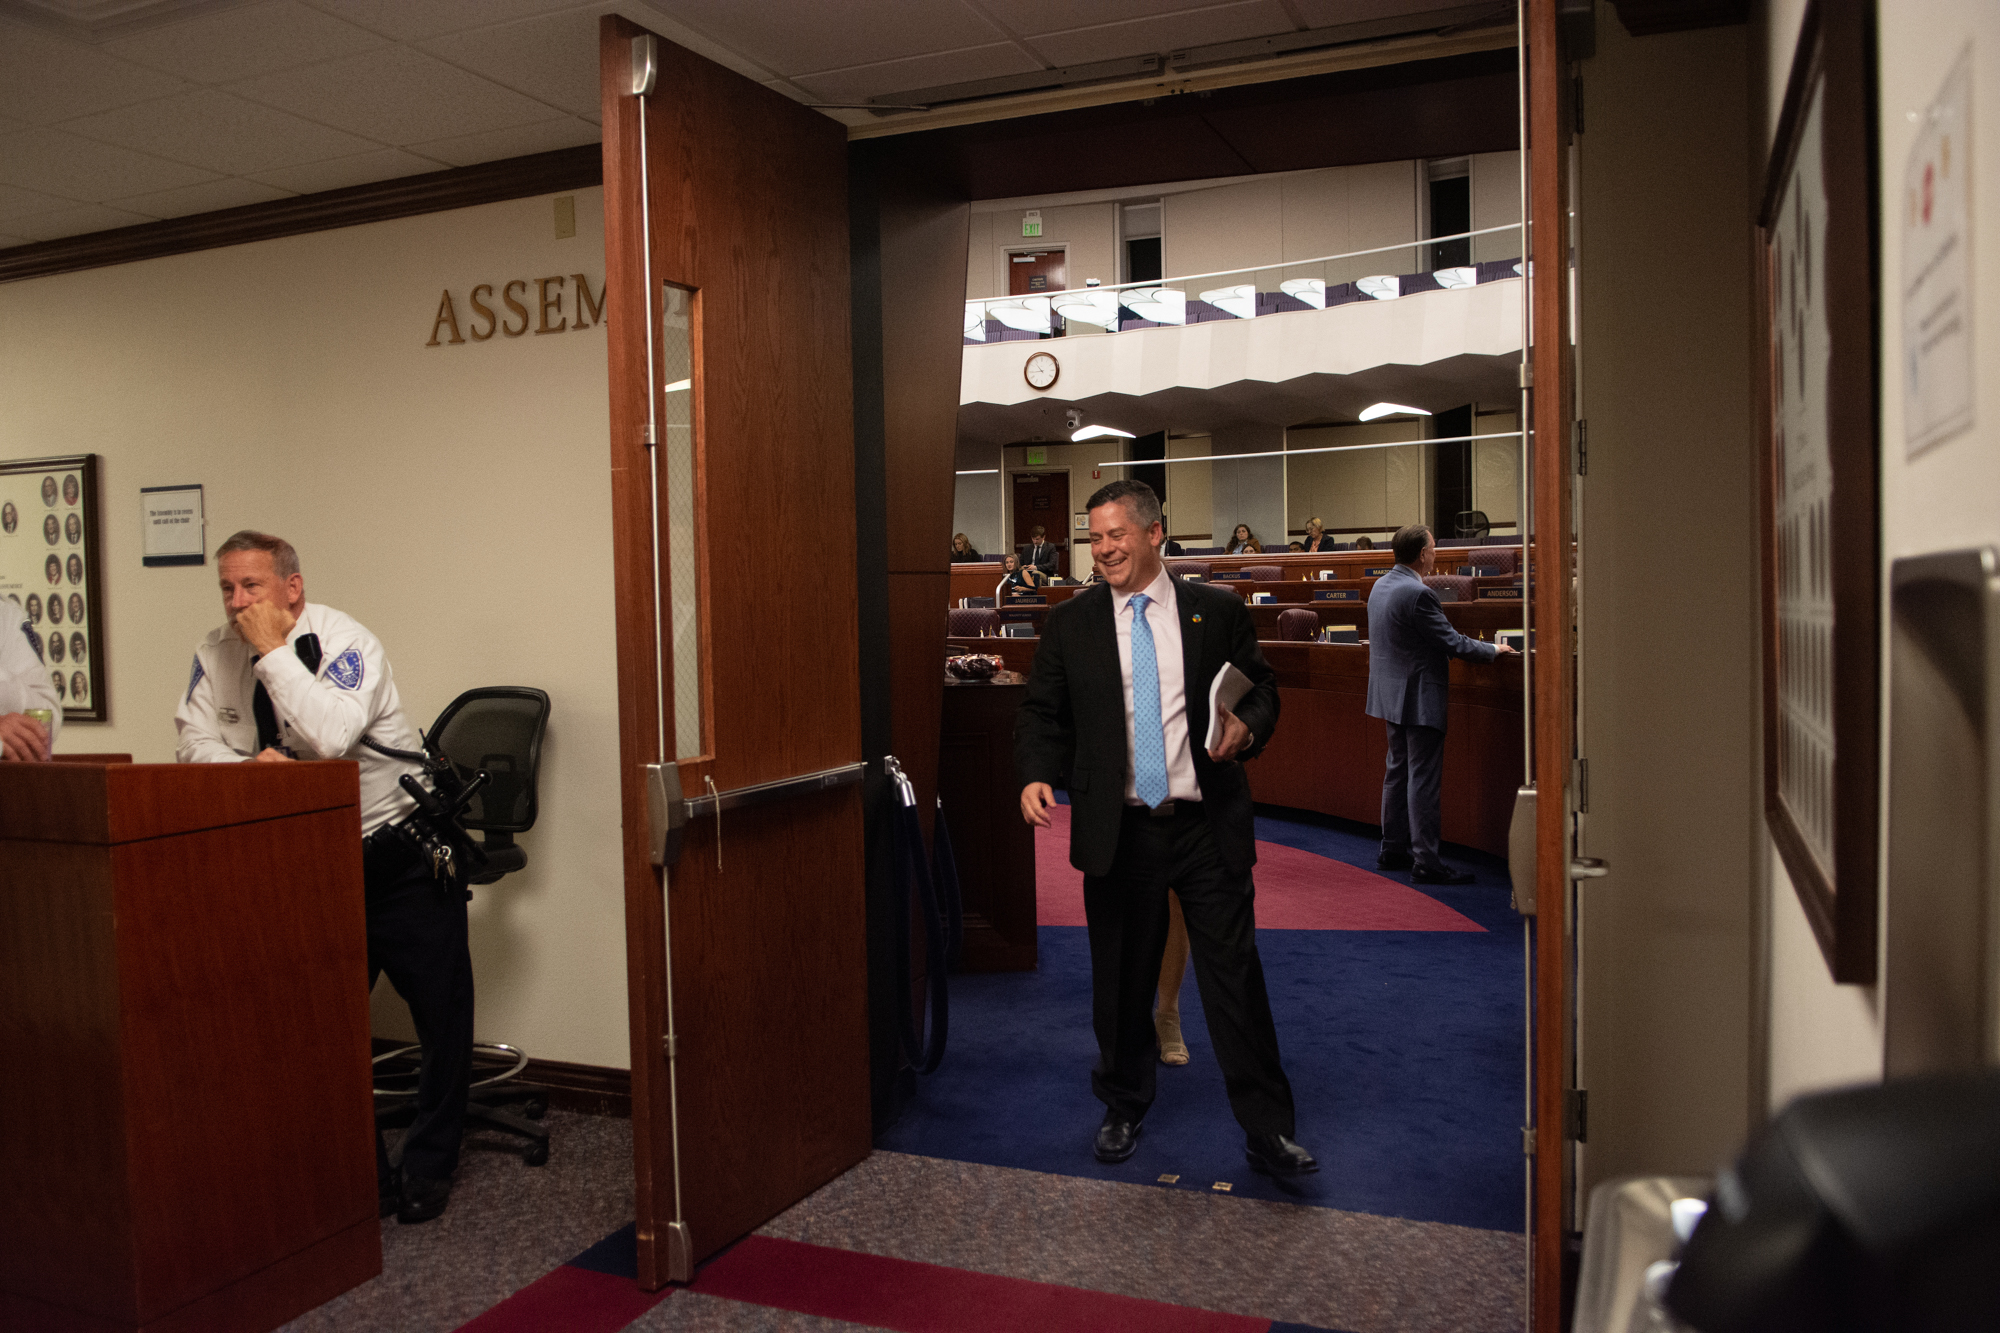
[
  {"x": 288, "y": 679},
  {"x": 24, "y": 685}
]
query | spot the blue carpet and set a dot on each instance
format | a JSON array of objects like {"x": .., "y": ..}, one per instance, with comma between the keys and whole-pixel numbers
[{"x": 1404, "y": 1049}]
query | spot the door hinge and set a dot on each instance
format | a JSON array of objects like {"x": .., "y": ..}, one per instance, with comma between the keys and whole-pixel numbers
[
  {"x": 1581, "y": 436},
  {"x": 1576, "y": 1115},
  {"x": 646, "y": 435},
  {"x": 671, "y": 1045},
  {"x": 1527, "y": 1140},
  {"x": 1527, "y": 375}
]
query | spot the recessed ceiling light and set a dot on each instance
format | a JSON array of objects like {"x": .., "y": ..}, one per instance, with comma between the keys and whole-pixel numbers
[
  {"x": 1380, "y": 410},
  {"x": 1102, "y": 433}
]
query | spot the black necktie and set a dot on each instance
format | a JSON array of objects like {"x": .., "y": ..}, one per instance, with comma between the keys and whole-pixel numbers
[{"x": 307, "y": 647}]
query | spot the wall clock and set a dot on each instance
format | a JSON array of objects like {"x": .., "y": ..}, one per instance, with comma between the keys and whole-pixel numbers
[{"x": 1041, "y": 370}]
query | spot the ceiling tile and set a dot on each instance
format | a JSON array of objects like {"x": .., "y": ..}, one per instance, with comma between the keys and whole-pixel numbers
[
  {"x": 519, "y": 141},
  {"x": 75, "y": 222},
  {"x": 16, "y": 203},
  {"x": 1169, "y": 32},
  {"x": 396, "y": 96},
  {"x": 1334, "y": 13},
  {"x": 1027, "y": 18},
  {"x": 553, "y": 58},
  {"x": 65, "y": 165},
  {"x": 791, "y": 38},
  {"x": 214, "y": 129},
  {"x": 894, "y": 76},
  {"x": 408, "y": 22},
  {"x": 362, "y": 169},
  {"x": 243, "y": 42},
  {"x": 231, "y": 192},
  {"x": 46, "y": 78}
]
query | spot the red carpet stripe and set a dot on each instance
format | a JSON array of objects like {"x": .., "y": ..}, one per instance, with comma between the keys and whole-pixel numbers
[
  {"x": 1296, "y": 890},
  {"x": 924, "y": 1298},
  {"x": 575, "y": 1300}
]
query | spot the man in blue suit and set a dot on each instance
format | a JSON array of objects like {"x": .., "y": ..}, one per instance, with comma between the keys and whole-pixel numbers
[{"x": 1410, "y": 647}]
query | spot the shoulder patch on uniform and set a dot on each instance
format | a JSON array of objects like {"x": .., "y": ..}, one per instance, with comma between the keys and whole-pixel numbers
[
  {"x": 194, "y": 677},
  {"x": 33, "y": 638},
  {"x": 345, "y": 670}
]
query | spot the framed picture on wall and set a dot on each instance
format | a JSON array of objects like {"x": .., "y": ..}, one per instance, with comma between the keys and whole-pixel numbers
[
  {"x": 49, "y": 563},
  {"x": 1818, "y": 280}
]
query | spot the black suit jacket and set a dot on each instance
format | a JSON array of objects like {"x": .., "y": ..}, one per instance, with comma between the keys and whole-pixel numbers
[
  {"x": 1046, "y": 561},
  {"x": 1070, "y": 731}
]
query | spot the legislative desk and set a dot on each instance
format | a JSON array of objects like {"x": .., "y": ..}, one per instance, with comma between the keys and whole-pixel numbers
[
  {"x": 1478, "y": 619},
  {"x": 183, "y": 1003},
  {"x": 993, "y": 845},
  {"x": 1328, "y": 755}
]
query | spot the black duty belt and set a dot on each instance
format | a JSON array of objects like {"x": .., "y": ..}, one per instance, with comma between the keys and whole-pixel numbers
[{"x": 1168, "y": 810}]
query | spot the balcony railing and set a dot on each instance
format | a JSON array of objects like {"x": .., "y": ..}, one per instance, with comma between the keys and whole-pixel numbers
[{"x": 1302, "y": 284}]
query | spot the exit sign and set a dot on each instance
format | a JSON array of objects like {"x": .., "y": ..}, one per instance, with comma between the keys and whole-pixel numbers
[{"x": 1037, "y": 457}]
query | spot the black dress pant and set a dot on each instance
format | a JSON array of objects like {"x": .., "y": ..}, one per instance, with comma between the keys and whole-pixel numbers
[
  {"x": 417, "y": 934},
  {"x": 1410, "y": 788},
  {"x": 1127, "y": 915}
]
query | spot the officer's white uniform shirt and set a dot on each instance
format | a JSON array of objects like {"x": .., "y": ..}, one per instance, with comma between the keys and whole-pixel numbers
[
  {"x": 319, "y": 717},
  {"x": 24, "y": 676}
]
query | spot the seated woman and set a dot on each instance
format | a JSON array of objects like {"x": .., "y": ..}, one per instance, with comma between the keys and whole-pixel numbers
[
  {"x": 1316, "y": 538},
  {"x": 1017, "y": 578},
  {"x": 1364, "y": 543},
  {"x": 1244, "y": 542},
  {"x": 962, "y": 551}
]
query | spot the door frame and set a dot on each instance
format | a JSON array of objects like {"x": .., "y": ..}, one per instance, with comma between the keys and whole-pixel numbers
[
  {"x": 1011, "y": 250},
  {"x": 1007, "y": 506}
]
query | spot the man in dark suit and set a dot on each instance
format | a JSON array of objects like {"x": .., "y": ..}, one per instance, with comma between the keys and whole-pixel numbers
[
  {"x": 1117, "y": 711},
  {"x": 1041, "y": 553},
  {"x": 1410, "y": 647}
]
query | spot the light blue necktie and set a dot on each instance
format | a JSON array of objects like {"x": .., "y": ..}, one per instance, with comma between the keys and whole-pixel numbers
[{"x": 1149, "y": 741}]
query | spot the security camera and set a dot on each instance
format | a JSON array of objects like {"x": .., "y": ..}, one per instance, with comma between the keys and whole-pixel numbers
[{"x": 1074, "y": 417}]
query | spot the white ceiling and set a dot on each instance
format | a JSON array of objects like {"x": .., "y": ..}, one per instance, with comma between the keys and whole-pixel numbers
[{"x": 116, "y": 112}]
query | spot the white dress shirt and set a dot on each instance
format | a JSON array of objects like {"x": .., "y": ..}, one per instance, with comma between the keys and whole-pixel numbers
[
  {"x": 1164, "y": 619},
  {"x": 321, "y": 716}
]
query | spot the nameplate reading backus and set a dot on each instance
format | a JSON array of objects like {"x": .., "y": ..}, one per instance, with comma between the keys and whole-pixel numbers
[{"x": 557, "y": 304}]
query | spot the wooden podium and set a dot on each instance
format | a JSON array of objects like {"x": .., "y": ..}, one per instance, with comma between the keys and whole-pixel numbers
[{"x": 184, "y": 1021}]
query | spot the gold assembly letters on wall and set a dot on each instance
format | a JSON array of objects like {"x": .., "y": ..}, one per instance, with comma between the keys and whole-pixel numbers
[{"x": 555, "y": 310}]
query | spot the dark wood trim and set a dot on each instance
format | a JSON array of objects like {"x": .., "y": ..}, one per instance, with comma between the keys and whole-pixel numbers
[
  {"x": 584, "y": 1089},
  {"x": 407, "y": 196},
  {"x": 1835, "y": 50},
  {"x": 1551, "y": 569}
]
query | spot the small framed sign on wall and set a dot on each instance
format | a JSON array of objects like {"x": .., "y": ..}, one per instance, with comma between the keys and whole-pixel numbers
[
  {"x": 172, "y": 526},
  {"x": 49, "y": 558}
]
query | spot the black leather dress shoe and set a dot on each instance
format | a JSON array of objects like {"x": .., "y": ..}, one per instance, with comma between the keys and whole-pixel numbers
[
  {"x": 1443, "y": 874},
  {"x": 1394, "y": 861},
  {"x": 1117, "y": 1138},
  {"x": 1276, "y": 1155},
  {"x": 423, "y": 1199}
]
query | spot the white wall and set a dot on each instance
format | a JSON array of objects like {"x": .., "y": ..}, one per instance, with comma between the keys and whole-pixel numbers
[
  {"x": 1191, "y": 491},
  {"x": 455, "y": 499},
  {"x": 1378, "y": 489},
  {"x": 1248, "y": 490}
]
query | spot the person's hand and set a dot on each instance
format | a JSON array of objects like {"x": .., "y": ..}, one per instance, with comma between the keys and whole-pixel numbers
[
  {"x": 23, "y": 739},
  {"x": 264, "y": 626},
  {"x": 1507, "y": 650},
  {"x": 1235, "y": 738},
  {"x": 271, "y": 755},
  {"x": 1036, "y": 798}
]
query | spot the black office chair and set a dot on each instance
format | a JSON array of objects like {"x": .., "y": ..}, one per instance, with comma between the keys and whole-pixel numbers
[
  {"x": 1473, "y": 523},
  {"x": 496, "y": 730}
]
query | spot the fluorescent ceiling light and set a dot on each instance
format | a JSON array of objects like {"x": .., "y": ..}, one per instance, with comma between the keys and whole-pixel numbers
[
  {"x": 1456, "y": 277},
  {"x": 678, "y": 386},
  {"x": 1100, "y": 433},
  {"x": 1161, "y": 305},
  {"x": 1382, "y": 286},
  {"x": 1096, "y": 306},
  {"x": 1310, "y": 290},
  {"x": 1240, "y": 301},
  {"x": 1380, "y": 410}
]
